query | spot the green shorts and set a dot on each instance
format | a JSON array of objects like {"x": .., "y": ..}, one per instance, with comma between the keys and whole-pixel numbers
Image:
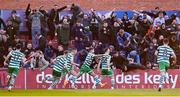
[
  {"x": 66, "y": 71},
  {"x": 13, "y": 71},
  {"x": 163, "y": 66},
  {"x": 56, "y": 73},
  {"x": 85, "y": 69},
  {"x": 107, "y": 72}
]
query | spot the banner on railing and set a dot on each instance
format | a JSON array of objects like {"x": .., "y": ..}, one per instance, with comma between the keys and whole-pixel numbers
[{"x": 140, "y": 79}]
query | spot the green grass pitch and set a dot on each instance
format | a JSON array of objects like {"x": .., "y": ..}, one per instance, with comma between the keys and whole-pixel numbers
[{"x": 94, "y": 93}]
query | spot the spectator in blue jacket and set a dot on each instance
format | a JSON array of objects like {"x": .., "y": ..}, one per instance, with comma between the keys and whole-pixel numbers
[
  {"x": 134, "y": 57},
  {"x": 78, "y": 34},
  {"x": 35, "y": 18},
  {"x": 122, "y": 37},
  {"x": 49, "y": 53}
]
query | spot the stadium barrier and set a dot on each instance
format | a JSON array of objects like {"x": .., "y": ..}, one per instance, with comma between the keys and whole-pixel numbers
[{"x": 140, "y": 79}]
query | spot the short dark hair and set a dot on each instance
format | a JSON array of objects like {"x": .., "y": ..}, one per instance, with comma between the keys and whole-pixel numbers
[
  {"x": 13, "y": 12},
  {"x": 166, "y": 41},
  {"x": 91, "y": 48},
  {"x": 18, "y": 46},
  {"x": 105, "y": 49},
  {"x": 66, "y": 52}
]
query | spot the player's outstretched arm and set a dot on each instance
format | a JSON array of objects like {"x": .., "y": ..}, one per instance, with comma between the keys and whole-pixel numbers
[
  {"x": 99, "y": 55},
  {"x": 98, "y": 66},
  {"x": 24, "y": 60},
  {"x": 174, "y": 58},
  {"x": 7, "y": 58}
]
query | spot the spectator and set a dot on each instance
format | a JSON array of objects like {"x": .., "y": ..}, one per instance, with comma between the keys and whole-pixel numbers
[
  {"x": 38, "y": 60},
  {"x": 159, "y": 20},
  {"x": 94, "y": 25},
  {"x": 11, "y": 33},
  {"x": 49, "y": 53},
  {"x": 134, "y": 58},
  {"x": 150, "y": 57},
  {"x": 126, "y": 22},
  {"x": 3, "y": 36},
  {"x": 105, "y": 34},
  {"x": 27, "y": 21},
  {"x": 119, "y": 62},
  {"x": 16, "y": 21},
  {"x": 162, "y": 30},
  {"x": 41, "y": 42},
  {"x": 2, "y": 54},
  {"x": 144, "y": 27},
  {"x": 35, "y": 18},
  {"x": 78, "y": 34},
  {"x": 86, "y": 23},
  {"x": 81, "y": 56},
  {"x": 175, "y": 45},
  {"x": 2, "y": 24},
  {"x": 28, "y": 50},
  {"x": 178, "y": 32},
  {"x": 77, "y": 13},
  {"x": 63, "y": 33},
  {"x": 44, "y": 19},
  {"x": 122, "y": 37},
  {"x": 53, "y": 19}
]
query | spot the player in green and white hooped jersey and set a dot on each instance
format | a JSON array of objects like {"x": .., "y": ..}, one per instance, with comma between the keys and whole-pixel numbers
[
  {"x": 105, "y": 63},
  {"x": 59, "y": 65},
  {"x": 164, "y": 53},
  {"x": 70, "y": 67},
  {"x": 85, "y": 68},
  {"x": 15, "y": 57}
]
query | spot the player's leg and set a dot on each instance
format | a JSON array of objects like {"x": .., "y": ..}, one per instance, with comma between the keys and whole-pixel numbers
[
  {"x": 77, "y": 75},
  {"x": 109, "y": 73},
  {"x": 56, "y": 76},
  {"x": 162, "y": 69},
  {"x": 167, "y": 76},
  {"x": 10, "y": 70},
  {"x": 112, "y": 79},
  {"x": 97, "y": 80},
  {"x": 72, "y": 78},
  {"x": 13, "y": 73}
]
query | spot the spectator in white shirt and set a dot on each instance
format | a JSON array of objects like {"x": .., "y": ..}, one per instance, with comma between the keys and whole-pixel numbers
[{"x": 159, "y": 20}]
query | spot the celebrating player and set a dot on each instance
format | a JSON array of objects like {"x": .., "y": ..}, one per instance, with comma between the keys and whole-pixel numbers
[
  {"x": 16, "y": 57},
  {"x": 85, "y": 68},
  {"x": 106, "y": 67},
  {"x": 164, "y": 53},
  {"x": 70, "y": 66},
  {"x": 58, "y": 69}
]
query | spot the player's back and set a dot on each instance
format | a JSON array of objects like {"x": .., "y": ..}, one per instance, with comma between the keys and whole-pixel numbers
[
  {"x": 89, "y": 59},
  {"x": 69, "y": 59},
  {"x": 16, "y": 58},
  {"x": 164, "y": 53},
  {"x": 59, "y": 63},
  {"x": 105, "y": 61}
]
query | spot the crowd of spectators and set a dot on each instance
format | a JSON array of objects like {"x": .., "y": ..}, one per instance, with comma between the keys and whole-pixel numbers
[{"x": 133, "y": 41}]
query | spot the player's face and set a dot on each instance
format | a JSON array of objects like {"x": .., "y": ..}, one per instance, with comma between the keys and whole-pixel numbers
[
  {"x": 92, "y": 51},
  {"x": 108, "y": 51}
]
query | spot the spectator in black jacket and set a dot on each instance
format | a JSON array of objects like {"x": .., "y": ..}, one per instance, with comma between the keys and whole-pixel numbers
[
  {"x": 15, "y": 21},
  {"x": 53, "y": 19},
  {"x": 2, "y": 24},
  {"x": 41, "y": 41},
  {"x": 106, "y": 34},
  {"x": 77, "y": 13}
]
